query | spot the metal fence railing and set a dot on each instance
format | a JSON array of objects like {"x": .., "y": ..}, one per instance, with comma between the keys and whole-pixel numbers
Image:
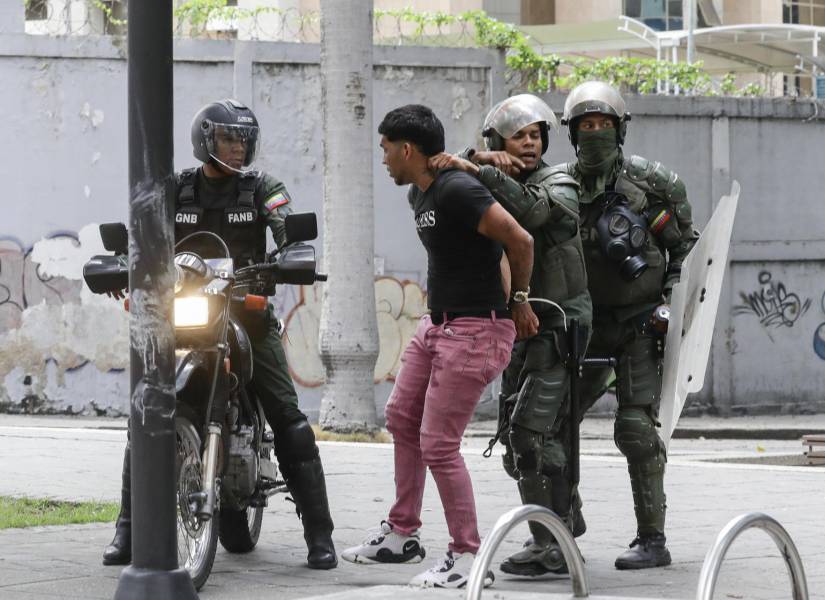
[{"x": 578, "y": 575}]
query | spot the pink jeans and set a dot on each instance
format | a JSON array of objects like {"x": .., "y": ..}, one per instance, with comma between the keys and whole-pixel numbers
[{"x": 444, "y": 370}]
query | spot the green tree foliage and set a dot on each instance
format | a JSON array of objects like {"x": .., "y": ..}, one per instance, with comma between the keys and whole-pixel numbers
[{"x": 532, "y": 71}]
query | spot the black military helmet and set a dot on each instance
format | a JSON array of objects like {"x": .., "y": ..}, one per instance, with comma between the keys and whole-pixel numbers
[{"x": 225, "y": 117}]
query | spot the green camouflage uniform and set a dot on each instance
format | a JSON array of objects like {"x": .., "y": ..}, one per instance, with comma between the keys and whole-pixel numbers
[
  {"x": 535, "y": 386},
  {"x": 621, "y": 317}
]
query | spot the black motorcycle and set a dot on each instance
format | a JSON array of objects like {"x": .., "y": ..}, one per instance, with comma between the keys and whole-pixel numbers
[{"x": 224, "y": 462}]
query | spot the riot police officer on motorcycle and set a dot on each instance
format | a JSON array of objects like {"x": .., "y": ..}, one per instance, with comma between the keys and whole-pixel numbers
[{"x": 238, "y": 204}]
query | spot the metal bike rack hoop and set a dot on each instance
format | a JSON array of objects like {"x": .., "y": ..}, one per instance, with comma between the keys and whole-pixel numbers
[
  {"x": 717, "y": 552},
  {"x": 505, "y": 523}
]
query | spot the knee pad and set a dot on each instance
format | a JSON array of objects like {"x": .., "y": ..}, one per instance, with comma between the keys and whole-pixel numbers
[
  {"x": 296, "y": 443},
  {"x": 526, "y": 447},
  {"x": 635, "y": 434}
]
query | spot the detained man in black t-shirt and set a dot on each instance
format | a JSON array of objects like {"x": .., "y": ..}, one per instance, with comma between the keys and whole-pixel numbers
[{"x": 457, "y": 350}]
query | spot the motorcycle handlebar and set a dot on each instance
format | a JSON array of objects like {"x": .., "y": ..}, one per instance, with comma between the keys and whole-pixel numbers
[{"x": 267, "y": 267}]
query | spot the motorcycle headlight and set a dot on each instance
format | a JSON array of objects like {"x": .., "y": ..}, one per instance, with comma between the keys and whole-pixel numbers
[{"x": 192, "y": 311}]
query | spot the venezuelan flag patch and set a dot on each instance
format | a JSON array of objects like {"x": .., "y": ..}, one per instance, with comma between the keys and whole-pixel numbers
[
  {"x": 275, "y": 201},
  {"x": 658, "y": 224}
]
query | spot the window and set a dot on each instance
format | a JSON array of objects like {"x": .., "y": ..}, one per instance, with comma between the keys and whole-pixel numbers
[
  {"x": 661, "y": 15},
  {"x": 37, "y": 10},
  {"x": 804, "y": 12}
]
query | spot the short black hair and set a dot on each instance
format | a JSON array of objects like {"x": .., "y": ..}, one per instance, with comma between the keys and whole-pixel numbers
[{"x": 417, "y": 124}]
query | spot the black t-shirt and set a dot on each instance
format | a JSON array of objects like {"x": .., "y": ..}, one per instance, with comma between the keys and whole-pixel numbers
[{"x": 463, "y": 266}]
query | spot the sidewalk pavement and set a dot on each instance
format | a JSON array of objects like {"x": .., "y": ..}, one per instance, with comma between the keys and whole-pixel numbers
[{"x": 81, "y": 459}]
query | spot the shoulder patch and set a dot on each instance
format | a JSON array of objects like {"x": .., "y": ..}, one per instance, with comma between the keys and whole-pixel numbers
[{"x": 275, "y": 201}]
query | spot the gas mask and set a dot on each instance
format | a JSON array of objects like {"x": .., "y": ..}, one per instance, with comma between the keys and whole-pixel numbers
[{"x": 622, "y": 235}]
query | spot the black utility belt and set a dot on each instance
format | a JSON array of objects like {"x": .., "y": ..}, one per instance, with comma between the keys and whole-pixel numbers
[{"x": 439, "y": 317}]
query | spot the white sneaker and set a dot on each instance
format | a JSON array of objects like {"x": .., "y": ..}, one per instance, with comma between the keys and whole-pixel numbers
[
  {"x": 386, "y": 546},
  {"x": 451, "y": 571}
]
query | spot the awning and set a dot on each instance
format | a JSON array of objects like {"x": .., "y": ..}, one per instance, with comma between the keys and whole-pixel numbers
[{"x": 779, "y": 48}]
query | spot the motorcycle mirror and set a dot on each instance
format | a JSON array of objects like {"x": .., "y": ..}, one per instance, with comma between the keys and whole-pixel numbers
[
  {"x": 301, "y": 227},
  {"x": 115, "y": 237}
]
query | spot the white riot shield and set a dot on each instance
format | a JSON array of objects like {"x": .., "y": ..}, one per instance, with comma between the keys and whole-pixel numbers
[{"x": 693, "y": 313}]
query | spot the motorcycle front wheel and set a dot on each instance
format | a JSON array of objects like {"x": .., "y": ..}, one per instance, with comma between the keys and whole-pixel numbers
[
  {"x": 197, "y": 539},
  {"x": 240, "y": 529}
]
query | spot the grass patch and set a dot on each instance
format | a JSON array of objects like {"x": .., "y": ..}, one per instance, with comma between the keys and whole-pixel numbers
[
  {"x": 380, "y": 437},
  {"x": 36, "y": 512}
]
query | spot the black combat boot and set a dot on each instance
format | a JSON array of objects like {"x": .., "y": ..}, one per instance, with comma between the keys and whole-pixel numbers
[
  {"x": 119, "y": 552},
  {"x": 308, "y": 487},
  {"x": 646, "y": 551},
  {"x": 541, "y": 554},
  {"x": 535, "y": 560}
]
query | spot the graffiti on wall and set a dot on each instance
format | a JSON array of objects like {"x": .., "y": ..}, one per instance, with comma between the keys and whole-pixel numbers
[
  {"x": 772, "y": 304},
  {"x": 24, "y": 284},
  {"x": 819, "y": 334},
  {"x": 399, "y": 305},
  {"x": 50, "y": 324}
]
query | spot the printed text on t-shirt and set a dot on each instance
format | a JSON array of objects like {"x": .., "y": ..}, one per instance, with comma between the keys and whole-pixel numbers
[{"x": 425, "y": 219}]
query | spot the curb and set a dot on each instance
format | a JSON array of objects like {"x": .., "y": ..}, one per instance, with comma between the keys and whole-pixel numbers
[{"x": 720, "y": 433}]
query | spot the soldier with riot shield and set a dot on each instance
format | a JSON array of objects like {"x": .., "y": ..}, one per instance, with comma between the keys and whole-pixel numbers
[{"x": 636, "y": 229}]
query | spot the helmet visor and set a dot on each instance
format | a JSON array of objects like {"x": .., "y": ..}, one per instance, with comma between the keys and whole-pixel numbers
[
  {"x": 234, "y": 146},
  {"x": 594, "y": 97},
  {"x": 517, "y": 112}
]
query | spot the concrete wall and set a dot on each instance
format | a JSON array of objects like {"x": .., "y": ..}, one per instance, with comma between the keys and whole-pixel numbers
[
  {"x": 63, "y": 350},
  {"x": 585, "y": 11},
  {"x": 755, "y": 11},
  {"x": 769, "y": 340}
]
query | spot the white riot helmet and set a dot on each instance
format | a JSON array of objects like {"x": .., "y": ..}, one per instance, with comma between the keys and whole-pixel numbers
[
  {"x": 595, "y": 97},
  {"x": 515, "y": 113}
]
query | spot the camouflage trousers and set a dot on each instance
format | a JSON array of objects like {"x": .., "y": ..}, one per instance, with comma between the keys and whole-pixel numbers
[
  {"x": 638, "y": 391},
  {"x": 534, "y": 411}
]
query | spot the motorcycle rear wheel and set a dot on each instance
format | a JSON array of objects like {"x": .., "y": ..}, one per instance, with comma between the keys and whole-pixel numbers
[{"x": 197, "y": 539}]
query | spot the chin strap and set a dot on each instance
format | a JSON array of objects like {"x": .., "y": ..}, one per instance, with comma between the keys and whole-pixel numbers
[{"x": 233, "y": 169}]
